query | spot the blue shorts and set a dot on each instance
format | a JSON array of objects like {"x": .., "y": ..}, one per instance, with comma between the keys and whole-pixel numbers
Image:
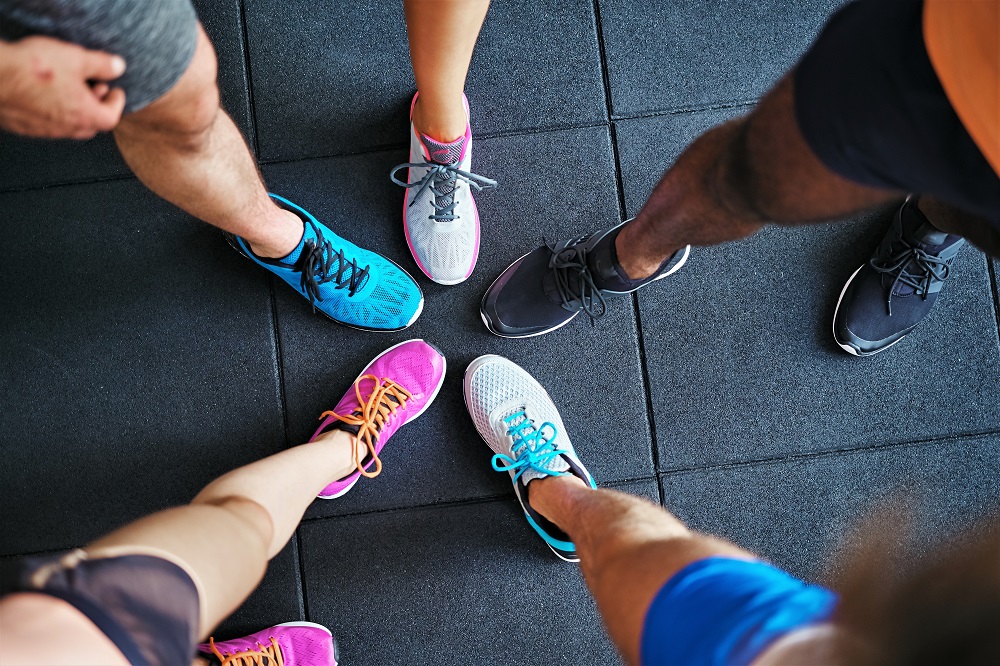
[{"x": 721, "y": 610}]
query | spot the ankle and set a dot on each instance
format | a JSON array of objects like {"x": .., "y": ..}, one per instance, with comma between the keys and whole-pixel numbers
[
  {"x": 284, "y": 232},
  {"x": 444, "y": 122},
  {"x": 345, "y": 451},
  {"x": 633, "y": 254},
  {"x": 552, "y": 496}
]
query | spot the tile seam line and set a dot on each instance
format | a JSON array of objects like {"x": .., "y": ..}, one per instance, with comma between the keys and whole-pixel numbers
[
  {"x": 991, "y": 270},
  {"x": 300, "y": 560},
  {"x": 622, "y": 212},
  {"x": 683, "y": 111},
  {"x": 246, "y": 64},
  {"x": 832, "y": 453}
]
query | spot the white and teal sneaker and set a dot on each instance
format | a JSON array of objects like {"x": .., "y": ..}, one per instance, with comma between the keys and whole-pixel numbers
[{"x": 519, "y": 421}]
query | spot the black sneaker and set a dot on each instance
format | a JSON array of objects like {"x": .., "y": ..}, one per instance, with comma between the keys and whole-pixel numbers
[
  {"x": 886, "y": 298},
  {"x": 546, "y": 288}
]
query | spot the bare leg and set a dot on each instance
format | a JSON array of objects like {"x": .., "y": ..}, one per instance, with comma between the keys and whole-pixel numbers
[
  {"x": 442, "y": 36},
  {"x": 628, "y": 549},
  {"x": 241, "y": 520},
  {"x": 185, "y": 148},
  {"x": 733, "y": 179}
]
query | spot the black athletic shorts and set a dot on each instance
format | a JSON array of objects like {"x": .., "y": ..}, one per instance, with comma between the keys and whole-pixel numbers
[
  {"x": 871, "y": 107},
  {"x": 146, "y": 601}
]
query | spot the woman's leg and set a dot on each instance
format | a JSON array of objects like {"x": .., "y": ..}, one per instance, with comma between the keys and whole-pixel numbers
[
  {"x": 442, "y": 35},
  {"x": 241, "y": 520}
]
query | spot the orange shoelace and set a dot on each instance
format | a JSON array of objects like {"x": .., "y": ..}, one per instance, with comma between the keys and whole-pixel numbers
[
  {"x": 267, "y": 655},
  {"x": 372, "y": 416}
]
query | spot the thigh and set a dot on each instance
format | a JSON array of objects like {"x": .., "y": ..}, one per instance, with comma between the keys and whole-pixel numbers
[
  {"x": 157, "y": 38},
  {"x": 870, "y": 106}
]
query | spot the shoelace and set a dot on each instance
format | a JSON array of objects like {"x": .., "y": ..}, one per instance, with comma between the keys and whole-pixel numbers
[
  {"x": 441, "y": 180},
  {"x": 382, "y": 403},
  {"x": 316, "y": 263},
  {"x": 573, "y": 279},
  {"x": 532, "y": 447},
  {"x": 930, "y": 268},
  {"x": 267, "y": 655}
]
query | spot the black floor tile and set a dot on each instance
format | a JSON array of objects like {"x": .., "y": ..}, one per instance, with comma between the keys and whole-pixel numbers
[
  {"x": 26, "y": 162},
  {"x": 331, "y": 78},
  {"x": 139, "y": 362},
  {"x": 381, "y": 583},
  {"x": 799, "y": 513},
  {"x": 683, "y": 54},
  {"x": 440, "y": 457},
  {"x": 741, "y": 358},
  {"x": 277, "y": 599}
]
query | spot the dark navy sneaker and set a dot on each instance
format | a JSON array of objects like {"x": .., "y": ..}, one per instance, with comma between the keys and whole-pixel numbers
[
  {"x": 886, "y": 298},
  {"x": 549, "y": 286},
  {"x": 350, "y": 285}
]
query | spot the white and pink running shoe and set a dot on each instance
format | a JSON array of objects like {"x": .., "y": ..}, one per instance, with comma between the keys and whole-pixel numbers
[
  {"x": 291, "y": 644},
  {"x": 439, "y": 214},
  {"x": 395, "y": 388}
]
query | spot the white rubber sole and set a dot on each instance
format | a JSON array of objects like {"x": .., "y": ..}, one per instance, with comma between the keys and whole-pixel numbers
[
  {"x": 847, "y": 348},
  {"x": 430, "y": 401},
  {"x": 306, "y": 624}
]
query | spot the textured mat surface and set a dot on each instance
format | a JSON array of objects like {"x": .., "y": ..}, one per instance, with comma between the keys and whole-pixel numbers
[
  {"x": 530, "y": 70},
  {"x": 685, "y": 54},
  {"x": 138, "y": 354},
  {"x": 819, "y": 502}
]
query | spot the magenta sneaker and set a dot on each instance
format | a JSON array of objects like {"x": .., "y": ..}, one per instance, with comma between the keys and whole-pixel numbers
[
  {"x": 288, "y": 644},
  {"x": 393, "y": 390}
]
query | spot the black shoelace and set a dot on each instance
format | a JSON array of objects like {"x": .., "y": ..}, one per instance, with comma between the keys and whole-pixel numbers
[
  {"x": 577, "y": 290},
  {"x": 929, "y": 268},
  {"x": 316, "y": 266}
]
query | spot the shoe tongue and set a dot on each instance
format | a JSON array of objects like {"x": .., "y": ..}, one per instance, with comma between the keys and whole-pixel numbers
[
  {"x": 444, "y": 153},
  {"x": 930, "y": 238},
  {"x": 556, "y": 463}
]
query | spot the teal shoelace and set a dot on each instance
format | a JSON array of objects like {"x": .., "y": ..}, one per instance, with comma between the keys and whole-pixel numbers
[{"x": 533, "y": 448}]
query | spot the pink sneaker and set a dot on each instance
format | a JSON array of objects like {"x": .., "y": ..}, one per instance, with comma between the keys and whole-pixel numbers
[
  {"x": 393, "y": 390},
  {"x": 288, "y": 644}
]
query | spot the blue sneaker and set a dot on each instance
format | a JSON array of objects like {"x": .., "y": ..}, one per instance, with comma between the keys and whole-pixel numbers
[
  {"x": 519, "y": 421},
  {"x": 348, "y": 284},
  {"x": 887, "y": 297}
]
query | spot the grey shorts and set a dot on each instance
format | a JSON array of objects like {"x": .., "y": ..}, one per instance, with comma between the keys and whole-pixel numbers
[{"x": 157, "y": 38}]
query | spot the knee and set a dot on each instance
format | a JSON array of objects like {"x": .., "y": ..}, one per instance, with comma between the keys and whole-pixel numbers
[
  {"x": 255, "y": 517},
  {"x": 189, "y": 110}
]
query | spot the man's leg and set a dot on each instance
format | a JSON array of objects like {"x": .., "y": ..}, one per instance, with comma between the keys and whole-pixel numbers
[
  {"x": 187, "y": 150},
  {"x": 628, "y": 549},
  {"x": 735, "y": 178}
]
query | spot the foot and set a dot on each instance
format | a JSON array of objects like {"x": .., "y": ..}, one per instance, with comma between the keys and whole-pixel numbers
[
  {"x": 348, "y": 284},
  {"x": 886, "y": 298},
  {"x": 546, "y": 288},
  {"x": 439, "y": 214},
  {"x": 394, "y": 389},
  {"x": 519, "y": 421},
  {"x": 291, "y": 644}
]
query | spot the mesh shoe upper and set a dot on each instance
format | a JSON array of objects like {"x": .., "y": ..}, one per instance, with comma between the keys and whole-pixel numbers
[
  {"x": 896, "y": 289},
  {"x": 349, "y": 284},
  {"x": 295, "y": 643},
  {"x": 439, "y": 214}
]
